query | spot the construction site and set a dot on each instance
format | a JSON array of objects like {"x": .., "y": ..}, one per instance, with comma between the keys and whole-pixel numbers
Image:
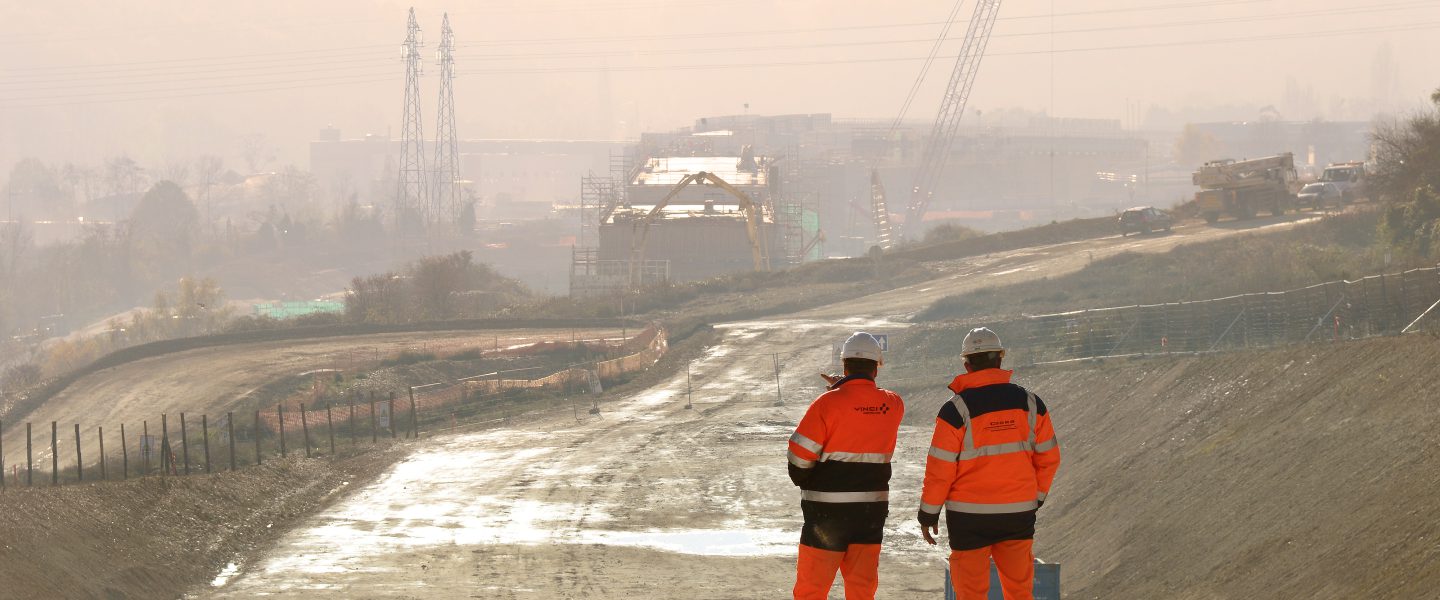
[{"x": 574, "y": 322}]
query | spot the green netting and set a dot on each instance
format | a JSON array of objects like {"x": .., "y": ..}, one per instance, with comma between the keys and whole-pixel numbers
[{"x": 289, "y": 310}]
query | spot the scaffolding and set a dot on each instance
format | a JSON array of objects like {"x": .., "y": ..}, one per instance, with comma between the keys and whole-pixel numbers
[
  {"x": 796, "y": 206},
  {"x": 591, "y": 277},
  {"x": 596, "y": 193}
]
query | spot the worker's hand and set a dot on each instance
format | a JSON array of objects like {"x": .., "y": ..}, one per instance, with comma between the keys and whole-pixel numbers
[
  {"x": 829, "y": 379},
  {"x": 930, "y": 531}
]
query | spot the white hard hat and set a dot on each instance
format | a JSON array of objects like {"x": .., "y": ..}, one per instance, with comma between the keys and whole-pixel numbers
[
  {"x": 862, "y": 345},
  {"x": 980, "y": 339}
]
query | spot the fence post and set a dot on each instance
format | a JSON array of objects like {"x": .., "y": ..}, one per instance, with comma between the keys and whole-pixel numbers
[
  {"x": 124, "y": 455},
  {"x": 280, "y": 416},
  {"x": 205, "y": 437},
  {"x": 230, "y": 432},
  {"x": 779, "y": 399},
  {"x": 79, "y": 461},
  {"x": 2, "y": 456},
  {"x": 184, "y": 444},
  {"x": 54, "y": 454},
  {"x": 391, "y": 407},
  {"x": 374, "y": 434},
  {"x": 305, "y": 428},
  {"x": 144, "y": 448},
  {"x": 414, "y": 422},
  {"x": 330, "y": 426},
  {"x": 258, "y": 458},
  {"x": 165, "y": 450},
  {"x": 688, "y": 405},
  {"x": 29, "y": 463},
  {"x": 104, "y": 473},
  {"x": 351, "y": 401}
]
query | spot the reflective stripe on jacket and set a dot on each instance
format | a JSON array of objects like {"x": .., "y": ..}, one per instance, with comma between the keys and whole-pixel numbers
[
  {"x": 994, "y": 450},
  {"x": 840, "y": 452}
]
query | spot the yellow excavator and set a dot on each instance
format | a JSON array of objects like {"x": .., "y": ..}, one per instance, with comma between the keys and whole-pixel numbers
[{"x": 752, "y": 212}]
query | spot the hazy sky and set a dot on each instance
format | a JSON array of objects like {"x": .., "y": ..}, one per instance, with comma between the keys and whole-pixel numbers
[{"x": 165, "y": 80}]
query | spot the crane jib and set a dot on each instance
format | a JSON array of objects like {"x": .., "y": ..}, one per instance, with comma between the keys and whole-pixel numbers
[{"x": 952, "y": 108}]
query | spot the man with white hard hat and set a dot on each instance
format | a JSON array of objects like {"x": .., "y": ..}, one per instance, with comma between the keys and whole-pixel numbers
[
  {"x": 840, "y": 459},
  {"x": 992, "y": 458}
]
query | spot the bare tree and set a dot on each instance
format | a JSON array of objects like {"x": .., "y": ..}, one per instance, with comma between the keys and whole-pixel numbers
[
  {"x": 123, "y": 175},
  {"x": 177, "y": 172},
  {"x": 256, "y": 151}
]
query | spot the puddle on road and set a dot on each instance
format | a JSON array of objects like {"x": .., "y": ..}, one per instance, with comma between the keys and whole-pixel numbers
[{"x": 704, "y": 542}]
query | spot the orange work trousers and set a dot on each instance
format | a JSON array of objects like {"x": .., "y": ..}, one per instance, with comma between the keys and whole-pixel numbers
[
  {"x": 859, "y": 564},
  {"x": 970, "y": 570}
]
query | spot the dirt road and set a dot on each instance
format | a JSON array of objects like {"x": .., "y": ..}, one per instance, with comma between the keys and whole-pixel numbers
[
  {"x": 214, "y": 379},
  {"x": 650, "y": 499}
]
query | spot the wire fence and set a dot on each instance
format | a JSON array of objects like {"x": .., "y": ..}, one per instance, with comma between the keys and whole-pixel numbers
[
  {"x": 1384, "y": 304},
  {"x": 182, "y": 444}
]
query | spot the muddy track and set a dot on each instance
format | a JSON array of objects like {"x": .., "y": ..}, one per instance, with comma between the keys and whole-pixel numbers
[{"x": 649, "y": 500}]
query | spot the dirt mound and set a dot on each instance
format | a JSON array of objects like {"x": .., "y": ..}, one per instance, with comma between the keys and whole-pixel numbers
[
  {"x": 1306, "y": 472},
  {"x": 157, "y": 537}
]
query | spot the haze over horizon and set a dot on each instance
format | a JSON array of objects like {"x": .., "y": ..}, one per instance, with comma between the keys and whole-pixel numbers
[{"x": 163, "y": 80}]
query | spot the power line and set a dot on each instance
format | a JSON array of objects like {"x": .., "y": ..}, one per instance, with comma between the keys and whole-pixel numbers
[
  {"x": 214, "y": 72},
  {"x": 218, "y": 88},
  {"x": 110, "y": 67},
  {"x": 1305, "y": 35},
  {"x": 771, "y": 48},
  {"x": 112, "y": 70},
  {"x": 312, "y": 82},
  {"x": 307, "y": 83},
  {"x": 925, "y": 68},
  {"x": 714, "y": 34},
  {"x": 59, "y": 84}
]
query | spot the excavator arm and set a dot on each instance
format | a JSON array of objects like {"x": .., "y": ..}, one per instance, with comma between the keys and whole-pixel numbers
[{"x": 752, "y": 220}]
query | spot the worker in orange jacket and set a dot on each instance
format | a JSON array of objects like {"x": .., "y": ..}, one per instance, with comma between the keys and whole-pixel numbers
[
  {"x": 840, "y": 459},
  {"x": 992, "y": 458}
]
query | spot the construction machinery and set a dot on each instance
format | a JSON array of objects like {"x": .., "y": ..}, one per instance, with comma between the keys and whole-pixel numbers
[
  {"x": 1241, "y": 189},
  {"x": 947, "y": 120},
  {"x": 880, "y": 212},
  {"x": 752, "y": 211}
]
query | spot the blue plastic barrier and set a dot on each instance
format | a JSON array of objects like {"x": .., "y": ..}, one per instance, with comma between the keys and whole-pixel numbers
[{"x": 1047, "y": 582}]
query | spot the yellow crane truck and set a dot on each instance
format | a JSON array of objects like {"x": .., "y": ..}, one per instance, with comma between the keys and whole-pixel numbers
[{"x": 1242, "y": 188}]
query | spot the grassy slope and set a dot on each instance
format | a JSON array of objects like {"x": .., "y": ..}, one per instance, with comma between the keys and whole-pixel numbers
[{"x": 1341, "y": 247}]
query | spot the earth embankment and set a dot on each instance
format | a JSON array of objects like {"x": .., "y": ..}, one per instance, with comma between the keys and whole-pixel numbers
[
  {"x": 1305, "y": 472},
  {"x": 156, "y": 537}
]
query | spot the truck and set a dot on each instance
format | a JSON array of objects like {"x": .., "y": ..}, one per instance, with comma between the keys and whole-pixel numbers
[
  {"x": 1349, "y": 177},
  {"x": 1242, "y": 188}
]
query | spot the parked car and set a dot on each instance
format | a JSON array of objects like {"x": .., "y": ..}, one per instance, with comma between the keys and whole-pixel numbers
[
  {"x": 1144, "y": 219},
  {"x": 1320, "y": 194}
]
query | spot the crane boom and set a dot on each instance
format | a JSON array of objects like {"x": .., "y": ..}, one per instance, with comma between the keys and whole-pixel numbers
[
  {"x": 880, "y": 212},
  {"x": 952, "y": 107}
]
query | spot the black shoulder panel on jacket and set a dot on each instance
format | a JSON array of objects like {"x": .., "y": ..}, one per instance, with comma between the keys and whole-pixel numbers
[
  {"x": 995, "y": 398},
  {"x": 949, "y": 414}
]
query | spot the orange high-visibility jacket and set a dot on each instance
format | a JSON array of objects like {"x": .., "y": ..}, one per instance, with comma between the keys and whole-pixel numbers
[
  {"x": 840, "y": 452},
  {"x": 993, "y": 451}
]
